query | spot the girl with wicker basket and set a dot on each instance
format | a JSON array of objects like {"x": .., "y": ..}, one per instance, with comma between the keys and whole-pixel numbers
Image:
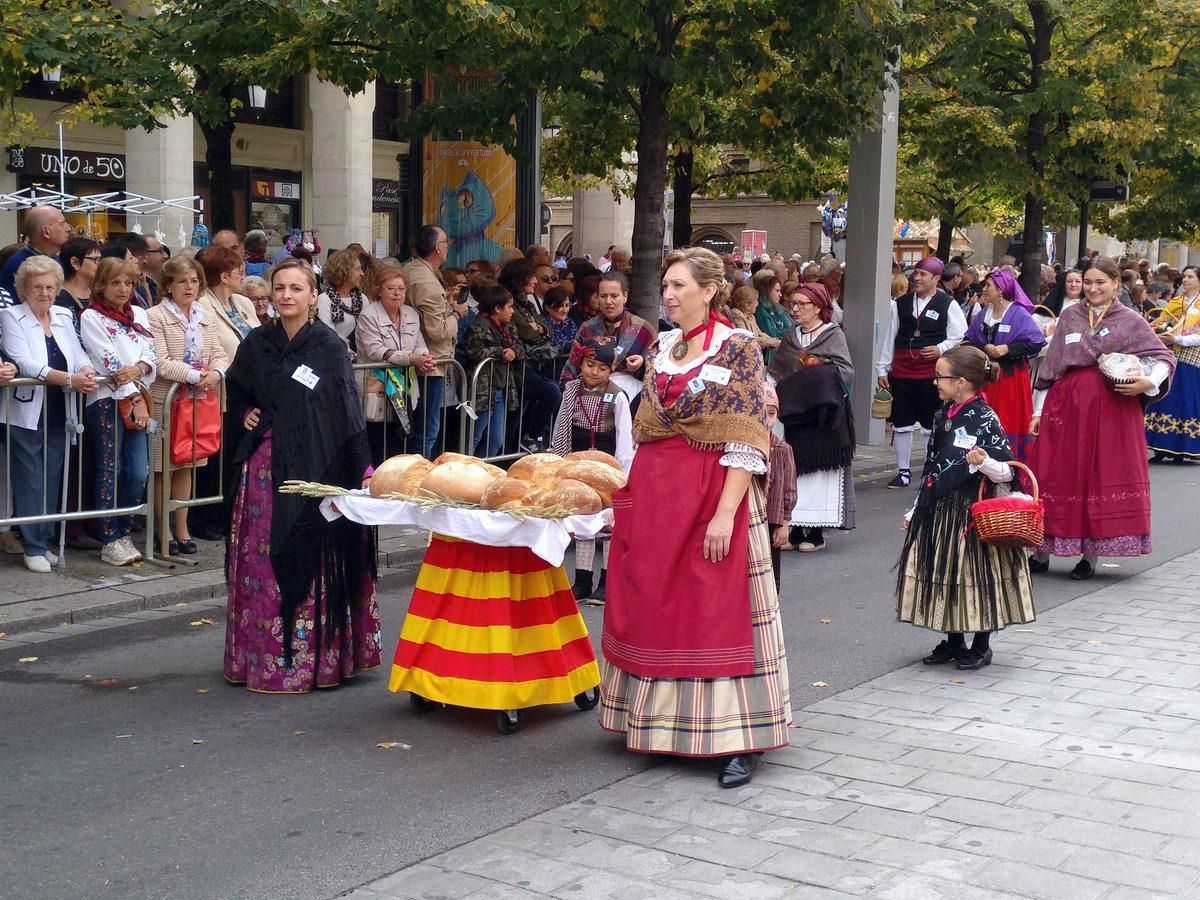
[{"x": 950, "y": 580}]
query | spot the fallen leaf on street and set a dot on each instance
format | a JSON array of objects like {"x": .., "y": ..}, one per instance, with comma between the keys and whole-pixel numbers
[
  {"x": 197, "y": 741},
  {"x": 393, "y": 745},
  {"x": 819, "y": 684},
  {"x": 134, "y": 688},
  {"x": 181, "y": 604},
  {"x": 1110, "y": 565},
  {"x": 107, "y": 682},
  {"x": 27, "y": 659},
  {"x": 204, "y": 622},
  {"x": 124, "y": 735},
  {"x": 202, "y": 690},
  {"x": 297, "y": 733},
  {"x": 2, "y": 635},
  {"x": 1094, "y": 643},
  {"x": 1024, "y": 630},
  {"x": 826, "y": 621},
  {"x": 957, "y": 681}
]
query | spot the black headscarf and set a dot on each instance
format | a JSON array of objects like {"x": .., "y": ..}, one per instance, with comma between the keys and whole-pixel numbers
[{"x": 318, "y": 435}]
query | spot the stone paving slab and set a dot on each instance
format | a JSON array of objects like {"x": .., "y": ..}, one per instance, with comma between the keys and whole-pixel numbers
[{"x": 1070, "y": 768}]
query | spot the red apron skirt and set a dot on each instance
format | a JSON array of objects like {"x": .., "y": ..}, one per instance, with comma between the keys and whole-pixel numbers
[
  {"x": 492, "y": 628},
  {"x": 1012, "y": 399},
  {"x": 1090, "y": 460},
  {"x": 671, "y": 613}
]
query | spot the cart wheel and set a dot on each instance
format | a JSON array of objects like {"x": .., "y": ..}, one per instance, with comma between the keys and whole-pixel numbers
[
  {"x": 588, "y": 699},
  {"x": 509, "y": 721},
  {"x": 420, "y": 704}
]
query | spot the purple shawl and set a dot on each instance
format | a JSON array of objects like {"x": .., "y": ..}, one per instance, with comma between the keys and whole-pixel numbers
[
  {"x": 1122, "y": 331},
  {"x": 1021, "y": 328},
  {"x": 1011, "y": 288}
]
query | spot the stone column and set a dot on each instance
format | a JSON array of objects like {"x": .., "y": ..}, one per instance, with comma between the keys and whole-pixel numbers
[
  {"x": 160, "y": 164},
  {"x": 867, "y": 291},
  {"x": 598, "y": 221},
  {"x": 339, "y": 184}
]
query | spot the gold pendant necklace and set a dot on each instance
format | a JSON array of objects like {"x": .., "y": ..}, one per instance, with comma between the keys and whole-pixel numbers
[{"x": 680, "y": 350}]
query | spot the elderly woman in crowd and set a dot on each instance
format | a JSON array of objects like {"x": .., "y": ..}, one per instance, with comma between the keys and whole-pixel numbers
[
  {"x": 342, "y": 301},
  {"x": 814, "y": 374},
  {"x": 389, "y": 333},
  {"x": 1090, "y": 453},
  {"x": 39, "y": 338},
  {"x": 771, "y": 316},
  {"x": 302, "y": 615},
  {"x": 694, "y": 659},
  {"x": 116, "y": 335},
  {"x": 258, "y": 292},
  {"x": 188, "y": 352},
  {"x": 556, "y": 308},
  {"x": 1173, "y": 423},
  {"x": 743, "y": 304},
  {"x": 79, "y": 258},
  {"x": 1007, "y": 333}
]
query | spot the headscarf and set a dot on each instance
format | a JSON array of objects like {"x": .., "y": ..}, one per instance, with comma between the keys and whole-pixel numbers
[
  {"x": 1011, "y": 288},
  {"x": 819, "y": 295},
  {"x": 770, "y": 395},
  {"x": 601, "y": 350},
  {"x": 932, "y": 264}
]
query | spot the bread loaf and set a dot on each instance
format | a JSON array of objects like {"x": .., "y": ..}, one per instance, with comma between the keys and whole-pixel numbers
[
  {"x": 537, "y": 468},
  {"x": 503, "y": 491},
  {"x": 454, "y": 457},
  {"x": 574, "y": 496},
  {"x": 399, "y": 475},
  {"x": 595, "y": 456},
  {"x": 602, "y": 478},
  {"x": 461, "y": 481}
]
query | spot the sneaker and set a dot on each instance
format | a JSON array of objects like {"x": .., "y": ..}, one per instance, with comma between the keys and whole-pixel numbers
[
  {"x": 116, "y": 553},
  {"x": 902, "y": 480},
  {"x": 10, "y": 542},
  {"x": 38, "y": 564},
  {"x": 127, "y": 542}
]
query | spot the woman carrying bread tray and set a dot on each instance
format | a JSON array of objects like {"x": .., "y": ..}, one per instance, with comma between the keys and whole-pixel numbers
[
  {"x": 492, "y": 624},
  {"x": 594, "y": 415},
  {"x": 694, "y": 657}
]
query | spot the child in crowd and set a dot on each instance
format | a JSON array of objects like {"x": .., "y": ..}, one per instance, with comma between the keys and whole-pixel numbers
[
  {"x": 781, "y": 482},
  {"x": 490, "y": 336},
  {"x": 594, "y": 415},
  {"x": 950, "y": 581}
]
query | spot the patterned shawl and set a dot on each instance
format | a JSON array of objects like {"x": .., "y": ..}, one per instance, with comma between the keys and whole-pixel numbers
[
  {"x": 1122, "y": 331},
  {"x": 731, "y": 414}
]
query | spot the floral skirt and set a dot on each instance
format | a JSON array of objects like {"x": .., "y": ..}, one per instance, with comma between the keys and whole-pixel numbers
[{"x": 254, "y": 629}]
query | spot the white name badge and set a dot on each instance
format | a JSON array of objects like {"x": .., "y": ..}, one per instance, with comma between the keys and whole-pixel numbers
[
  {"x": 715, "y": 374},
  {"x": 1004, "y": 329},
  {"x": 696, "y": 385},
  {"x": 1074, "y": 338},
  {"x": 306, "y": 377},
  {"x": 1103, "y": 333},
  {"x": 608, "y": 398},
  {"x": 618, "y": 350},
  {"x": 932, "y": 315},
  {"x": 964, "y": 441}
]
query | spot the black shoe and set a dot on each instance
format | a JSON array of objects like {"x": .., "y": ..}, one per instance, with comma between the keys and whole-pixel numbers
[
  {"x": 1037, "y": 566},
  {"x": 582, "y": 588},
  {"x": 1162, "y": 458},
  {"x": 738, "y": 770},
  {"x": 188, "y": 547},
  {"x": 902, "y": 480},
  {"x": 1083, "y": 571},
  {"x": 973, "y": 659},
  {"x": 598, "y": 595},
  {"x": 944, "y": 653}
]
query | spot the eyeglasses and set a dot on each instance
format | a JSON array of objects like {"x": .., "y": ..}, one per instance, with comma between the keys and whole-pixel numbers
[
  {"x": 445, "y": 241},
  {"x": 796, "y": 304},
  {"x": 940, "y": 377},
  {"x": 95, "y": 259},
  {"x": 548, "y": 279}
]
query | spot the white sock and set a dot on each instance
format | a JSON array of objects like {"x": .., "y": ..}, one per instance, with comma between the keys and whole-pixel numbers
[
  {"x": 585, "y": 554},
  {"x": 903, "y": 441}
]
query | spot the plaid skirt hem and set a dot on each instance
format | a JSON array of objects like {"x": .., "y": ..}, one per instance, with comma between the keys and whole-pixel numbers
[{"x": 705, "y": 717}]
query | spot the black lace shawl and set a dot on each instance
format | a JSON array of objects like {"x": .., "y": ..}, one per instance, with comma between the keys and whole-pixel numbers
[{"x": 317, "y": 435}]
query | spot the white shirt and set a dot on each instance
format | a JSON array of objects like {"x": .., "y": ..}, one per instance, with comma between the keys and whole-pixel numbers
[{"x": 956, "y": 330}]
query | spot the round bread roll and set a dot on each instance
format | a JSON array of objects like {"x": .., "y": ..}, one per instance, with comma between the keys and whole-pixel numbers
[
  {"x": 595, "y": 456},
  {"x": 391, "y": 476},
  {"x": 503, "y": 491},
  {"x": 461, "y": 481},
  {"x": 537, "y": 468},
  {"x": 410, "y": 484},
  {"x": 494, "y": 471},
  {"x": 454, "y": 457},
  {"x": 566, "y": 494},
  {"x": 603, "y": 479}
]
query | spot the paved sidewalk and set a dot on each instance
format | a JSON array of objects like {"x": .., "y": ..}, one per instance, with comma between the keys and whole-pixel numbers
[
  {"x": 1070, "y": 768},
  {"x": 88, "y": 589}
]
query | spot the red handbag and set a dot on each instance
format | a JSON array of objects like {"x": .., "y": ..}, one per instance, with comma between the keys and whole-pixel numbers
[{"x": 195, "y": 426}]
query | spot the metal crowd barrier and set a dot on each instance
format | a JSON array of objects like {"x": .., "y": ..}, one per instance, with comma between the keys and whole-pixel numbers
[
  {"x": 512, "y": 443},
  {"x": 391, "y": 439},
  {"x": 167, "y": 503},
  {"x": 72, "y": 438}
]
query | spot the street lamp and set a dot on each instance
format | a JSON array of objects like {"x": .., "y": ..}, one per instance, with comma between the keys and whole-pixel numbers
[
  {"x": 52, "y": 75},
  {"x": 258, "y": 98}
]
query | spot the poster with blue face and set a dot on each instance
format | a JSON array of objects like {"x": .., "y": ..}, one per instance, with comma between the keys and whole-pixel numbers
[{"x": 465, "y": 212}]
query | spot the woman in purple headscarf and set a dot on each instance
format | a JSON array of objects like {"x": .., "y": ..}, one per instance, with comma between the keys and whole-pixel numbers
[{"x": 1007, "y": 333}]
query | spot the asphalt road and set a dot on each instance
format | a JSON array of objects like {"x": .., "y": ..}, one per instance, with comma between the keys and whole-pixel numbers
[{"x": 105, "y": 792}]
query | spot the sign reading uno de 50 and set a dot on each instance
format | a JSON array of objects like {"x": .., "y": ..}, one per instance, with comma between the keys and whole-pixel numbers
[{"x": 40, "y": 162}]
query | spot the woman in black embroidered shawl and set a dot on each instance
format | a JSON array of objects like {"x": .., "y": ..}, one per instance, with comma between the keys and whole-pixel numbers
[
  {"x": 302, "y": 610},
  {"x": 950, "y": 580}
]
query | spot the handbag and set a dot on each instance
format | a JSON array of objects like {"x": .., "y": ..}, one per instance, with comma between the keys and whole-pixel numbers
[
  {"x": 388, "y": 389},
  {"x": 881, "y": 404},
  {"x": 125, "y": 407},
  {"x": 195, "y": 426}
]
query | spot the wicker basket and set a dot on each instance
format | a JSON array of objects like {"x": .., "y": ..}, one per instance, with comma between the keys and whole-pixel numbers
[
  {"x": 1010, "y": 521},
  {"x": 881, "y": 404}
]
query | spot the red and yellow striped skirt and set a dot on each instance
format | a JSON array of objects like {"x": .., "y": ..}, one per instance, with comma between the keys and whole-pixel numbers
[{"x": 492, "y": 628}]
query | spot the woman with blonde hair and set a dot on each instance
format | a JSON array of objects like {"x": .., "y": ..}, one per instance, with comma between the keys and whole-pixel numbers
[
  {"x": 694, "y": 658},
  {"x": 772, "y": 318},
  {"x": 343, "y": 300}
]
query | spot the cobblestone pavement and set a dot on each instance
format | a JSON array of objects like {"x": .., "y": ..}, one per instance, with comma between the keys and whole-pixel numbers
[{"x": 1070, "y": 768}]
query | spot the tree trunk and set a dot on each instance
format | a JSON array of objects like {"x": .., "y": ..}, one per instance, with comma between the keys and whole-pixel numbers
[
  {"x": 648, "y": 225},
  {"x": 218, "y": 161},
  {"x": 684, "y": 185},
  {"x": 1034, "y": 252},
  {"x": 946, "y": 225}
]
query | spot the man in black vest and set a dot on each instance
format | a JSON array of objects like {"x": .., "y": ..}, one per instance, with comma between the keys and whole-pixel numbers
[{"x": 926, "y": 322}]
